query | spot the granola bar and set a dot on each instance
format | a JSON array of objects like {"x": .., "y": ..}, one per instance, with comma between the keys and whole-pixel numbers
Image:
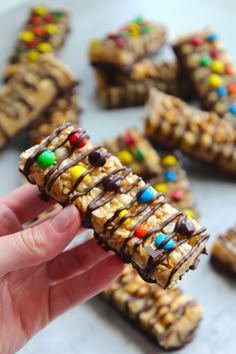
[
  {"x": 127, "y": 215},
  {"x": 139, "y": 38},
  {"x": 206, "y": 63},
  {"x": 116, "y": 89},
  {"x": 65, "y": 109},
  {"x": 169, "y": 316},
  {"x": 28, "y": 95},
  {"x": 44, "y": 31},
  {"x": 223, "y": 253},
  {"x": 134, "y": 151},
  {"x": 201, "y": 135},
  {"x": 173, "y": 182}
]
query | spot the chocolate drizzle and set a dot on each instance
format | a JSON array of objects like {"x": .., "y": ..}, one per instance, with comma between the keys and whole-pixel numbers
[
  {"x": 163, "y": 307},
  {"x": 110, "y": 185}
]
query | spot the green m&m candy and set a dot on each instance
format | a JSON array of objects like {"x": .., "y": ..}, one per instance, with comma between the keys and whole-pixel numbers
[
  {"x": 140, "y": 155},
  {"x": 46, "y": 158}
]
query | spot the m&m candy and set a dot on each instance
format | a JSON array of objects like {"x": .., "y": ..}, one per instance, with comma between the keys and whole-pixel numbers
[
  {"x": 146, "y": 195},
  {"x": 125, "y": 157},
  {"x": 142, "y": 230},
  {"x": 129, "y": 139},
  {"x": 50, "y": 28},
  {"x": 77, "y": 171},
  {"x": 74, "y": 138},
  {"x": 40, "y": 10},
  {"x": 177, "y": 195},
  {"x": 58, "y": 15},
  {"x": 214, "y": 80},
  {"x": 26, "y": 36},
  {"x": 229, "y": 69},
  {"x": 20, "y": 50},
  {"x": 140, "y": 154},
  {"x": 232, "y": 89},
  {"x": 232, "y": 109},
  {"x": 122, "y": 214},
  {"x": 169, "y": 160},
  {"x": 170, "y": 176},
  {"x": 95, "y": 43},
  {"x": 214, "y": 53},
  {"x": 222, "y": 91},
  {"x": 161, "y": 238},
  {"x": 38, "y": 31},
  {"x": 33, "y": 55},
  {"x": 45, "y": 47},
  {"x": 161, "y": 187},
  {"x": 197, "y": 40},
  {"x": 217, "y": 66},
  {"x": 212, "y": 37},
  {"x": 189, "y": 212},
  {"x": 205, "y": 61},
  {"x": 46, "y": 158}
]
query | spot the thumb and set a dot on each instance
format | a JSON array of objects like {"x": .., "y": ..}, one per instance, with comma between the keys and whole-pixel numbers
[{"x": 40, "y": 243}]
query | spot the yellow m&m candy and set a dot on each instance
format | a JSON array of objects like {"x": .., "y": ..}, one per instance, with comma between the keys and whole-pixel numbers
[
  {"x": 50, "y": 28},
  {"x": 40, "y": 10},
  {"x": 77, "y": 171},
  {"x": 125, "y": 157},
  {"x": 95, "y": 43},
  {"x": 169, "y": 160},
  {"x": 123, "y": 213},
  {"x": 133, "y": 27},
  {"x": 217, "y": 66},
  {"x": 33, "y": 55},
  {"x": 45, "y": 47},
  {"x": 214, "y": 80},
  {"x": 161, "y": 187},
  {"x": 189, "y": 212},
  {"x": 26, "y": 36}
]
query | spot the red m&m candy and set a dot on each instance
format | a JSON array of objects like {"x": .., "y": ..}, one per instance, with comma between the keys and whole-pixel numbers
[
  {"x": 121, "y": 42},
  {"x": 197, "y": 40},
  {"x": 214, "y": 53},
  {"x": 74, "y": 137},
  {"x": 177, "y": 195},
  {"x": 32, "y": 44},
  {"x": 49, "y": 18},
  {"x": 129, "y": 139}
]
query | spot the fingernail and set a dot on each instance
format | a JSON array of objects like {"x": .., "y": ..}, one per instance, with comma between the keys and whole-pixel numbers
[{"x": 62, "y": 220}]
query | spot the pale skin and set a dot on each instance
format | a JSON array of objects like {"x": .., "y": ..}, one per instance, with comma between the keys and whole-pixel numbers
[{"x": 37, "y": 281}]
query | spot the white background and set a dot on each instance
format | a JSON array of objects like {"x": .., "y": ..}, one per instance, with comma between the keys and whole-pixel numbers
[{"x": 94, "y": 327}]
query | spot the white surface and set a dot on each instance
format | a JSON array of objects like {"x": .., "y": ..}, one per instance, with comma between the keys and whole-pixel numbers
[{"x": 93, "y": 328}]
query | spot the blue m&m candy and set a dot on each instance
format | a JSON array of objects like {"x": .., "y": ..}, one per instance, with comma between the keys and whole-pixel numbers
[
  {"x": 162, "y": 237},
  {"x": 170, "y": 176},
  {"x": 232, "y": 109},
  {"x": 222, "y": 91},
  {"x": 146, "y": 195},
  {"x": 212, "y": 37}
]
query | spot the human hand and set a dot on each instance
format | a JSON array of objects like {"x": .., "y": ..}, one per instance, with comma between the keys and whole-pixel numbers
[{"x": 37, "y": 281}]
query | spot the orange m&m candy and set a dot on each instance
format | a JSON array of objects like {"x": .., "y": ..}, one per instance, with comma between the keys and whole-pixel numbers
[
  {"x": 229, "y": 69},
  {"x": 39, "y": 31},
  {"x": 142, "y": 230},
  {"x": 232, "y": 88}
]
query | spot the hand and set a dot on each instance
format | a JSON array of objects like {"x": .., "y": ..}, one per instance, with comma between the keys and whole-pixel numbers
[{"x": 37, "y": 281}]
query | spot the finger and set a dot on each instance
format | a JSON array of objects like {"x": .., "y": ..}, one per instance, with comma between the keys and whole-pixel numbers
[
  {"x": 76, "y": 260},
  {"x": 44, "y": 216},
  {"x": 23, "y": 204},
  {"x": 80, "y": 288},
  {"x": 38, "y": 244}
]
